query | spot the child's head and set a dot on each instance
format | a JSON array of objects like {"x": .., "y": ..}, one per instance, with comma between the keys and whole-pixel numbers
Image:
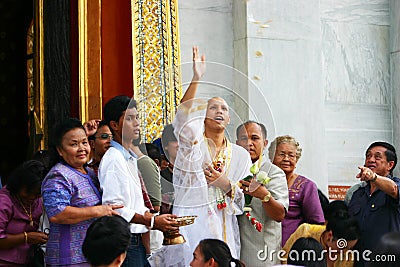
[{"x": 107, "y": 240}]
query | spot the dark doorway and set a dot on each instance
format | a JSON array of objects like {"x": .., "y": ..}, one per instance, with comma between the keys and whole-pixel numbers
[{"x": 15, "y": 19}]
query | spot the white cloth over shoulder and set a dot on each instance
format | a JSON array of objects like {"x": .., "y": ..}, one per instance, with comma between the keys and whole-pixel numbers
[{"x": 193, "y": 196}]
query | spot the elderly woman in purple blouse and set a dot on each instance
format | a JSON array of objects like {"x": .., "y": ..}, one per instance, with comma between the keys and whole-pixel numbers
[
  {"x": 20, "y": 210},
  {"x": 304, "y": 204},
  {"x": 71, "y": 195}
]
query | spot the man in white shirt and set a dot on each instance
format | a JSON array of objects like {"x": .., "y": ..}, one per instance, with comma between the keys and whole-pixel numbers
[{"x": 120, "y": 182}]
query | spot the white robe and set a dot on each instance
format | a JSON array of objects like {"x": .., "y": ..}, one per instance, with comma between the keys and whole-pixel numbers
[{"x": 192, "y": 194}]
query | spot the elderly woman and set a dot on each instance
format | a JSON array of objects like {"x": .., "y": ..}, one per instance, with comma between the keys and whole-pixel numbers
[
  {"x": 304, "y": 204},
  {"x": 20, "y": 211},
  {"x": 71, "y": 195}
]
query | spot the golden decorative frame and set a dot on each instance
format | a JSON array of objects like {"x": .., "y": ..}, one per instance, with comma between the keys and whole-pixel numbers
[
  {"x": 40, "y": 104},
  {"x": 90, "y": 81},
  {"x": 90, "y": 85},
  {"x": 156, "y": 63}
]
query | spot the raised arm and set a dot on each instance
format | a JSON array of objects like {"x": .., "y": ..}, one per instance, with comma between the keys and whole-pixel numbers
[{"x": 199, "y": 68}]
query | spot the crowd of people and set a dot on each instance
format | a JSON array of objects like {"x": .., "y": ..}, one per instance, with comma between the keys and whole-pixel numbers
[{"x": 98, "y": 197}]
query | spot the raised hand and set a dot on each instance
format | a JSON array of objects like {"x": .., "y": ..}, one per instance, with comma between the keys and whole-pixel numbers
[
  {"x": 199, "y": 68},
  {"x": 91, "y": 127},
  {"x": 199, "y": 64}
]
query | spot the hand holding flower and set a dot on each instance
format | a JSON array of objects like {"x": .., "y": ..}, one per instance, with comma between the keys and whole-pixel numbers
[
  {"x": 262, "y": 177},
  {"x": 217, "y": 178},
  {"x": 253, "y": 186}
]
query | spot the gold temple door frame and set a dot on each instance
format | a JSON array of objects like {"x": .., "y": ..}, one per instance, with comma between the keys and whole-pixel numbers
[
  {"x": 90, "y": 81},
  {"x": 156, "y": 63}
]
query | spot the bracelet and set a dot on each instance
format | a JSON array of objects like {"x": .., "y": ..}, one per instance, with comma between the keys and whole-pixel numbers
[
  {"x": 26, "y": 237},
  {"x": 152, "y": 219},
  {"x": 152, "y": 222},
  {"x": 374, "y": 179}
]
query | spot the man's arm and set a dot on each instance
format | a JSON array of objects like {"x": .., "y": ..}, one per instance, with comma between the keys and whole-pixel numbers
[{"x": 387, "y": 185}]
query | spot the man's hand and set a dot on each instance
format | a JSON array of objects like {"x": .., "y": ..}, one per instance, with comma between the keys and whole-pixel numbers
[
  {"x": 165, "y": 222},
  {"x": 199, "y": 64},
  {"x": 91, "y": 127},
  {"x": 217, "y": 178},
  {"x": 366, "y": 174},
  {"x": 199, "y": 68},
  {"x": 253, "y": 188}
]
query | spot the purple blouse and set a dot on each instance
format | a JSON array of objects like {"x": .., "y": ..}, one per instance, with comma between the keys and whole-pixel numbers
[
  {"x": 64, "y": 186},
  {"x": 304, "y": 207},
  {"x": 14, "y": 220}
]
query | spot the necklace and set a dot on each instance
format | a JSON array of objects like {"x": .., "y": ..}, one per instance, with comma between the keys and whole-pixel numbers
[
  {"x": 218, "y": 162},
  {"x": 26, "y": 211}
]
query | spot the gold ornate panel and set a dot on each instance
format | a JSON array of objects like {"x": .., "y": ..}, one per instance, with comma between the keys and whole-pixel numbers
[
  {"x": 156, "y": 63},
  {"x": 35, "y": 82}
]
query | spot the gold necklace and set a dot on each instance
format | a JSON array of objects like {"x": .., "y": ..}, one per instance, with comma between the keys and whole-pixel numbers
[
  {"x": 219, "y": 159},
  {"x": 30, "y": 211}
]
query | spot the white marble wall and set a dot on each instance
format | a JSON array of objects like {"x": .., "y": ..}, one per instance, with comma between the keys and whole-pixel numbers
[
  {"x": 395, "y": 72},
  {"x": 317, "y": 69},
  {"x": 288, "y": 72},
  {"x": 355, "y": 60}
]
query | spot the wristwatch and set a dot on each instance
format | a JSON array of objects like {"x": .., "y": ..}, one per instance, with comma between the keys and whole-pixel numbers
[{"x": 266, "y": 198}]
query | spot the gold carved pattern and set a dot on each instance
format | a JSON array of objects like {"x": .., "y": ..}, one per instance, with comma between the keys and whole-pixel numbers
[
  {"x": 156, "y": 63},
  {"x": 35, "y": 84},
  {"x": 30, "y": 39},
  {"x": 39, "y": 73}
]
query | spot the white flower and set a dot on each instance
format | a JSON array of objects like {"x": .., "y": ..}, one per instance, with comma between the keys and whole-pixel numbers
[
  {"x": 262, "y": 177},
  {"x": 247, "y": 209}
]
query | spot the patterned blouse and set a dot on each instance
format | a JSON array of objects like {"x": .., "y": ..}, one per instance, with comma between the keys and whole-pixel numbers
[
  {"x": 64, "y": 186},
  {"x": 304, "y": 207}
]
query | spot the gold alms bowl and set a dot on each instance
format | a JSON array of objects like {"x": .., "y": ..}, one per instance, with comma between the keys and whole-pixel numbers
[
  {"x": 173, "y": 237},
  {"x": 185, "y": 220}
]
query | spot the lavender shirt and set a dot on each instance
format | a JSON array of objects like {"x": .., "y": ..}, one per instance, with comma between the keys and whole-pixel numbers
[
  {"x": 62, "y": 187},
  {"x": 14, "y": 220},
  {"x": 304, "y": 207}
]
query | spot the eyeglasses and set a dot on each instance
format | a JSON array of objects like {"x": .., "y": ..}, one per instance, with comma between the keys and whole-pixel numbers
[
  {"x": 105, "y": 136},
  {"x": 283, "y": 155}
]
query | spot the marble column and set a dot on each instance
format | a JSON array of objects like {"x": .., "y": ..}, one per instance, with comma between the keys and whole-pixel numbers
[
  {"x": 278, "y": 45},
  {"x": 395, "y": 72}
]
